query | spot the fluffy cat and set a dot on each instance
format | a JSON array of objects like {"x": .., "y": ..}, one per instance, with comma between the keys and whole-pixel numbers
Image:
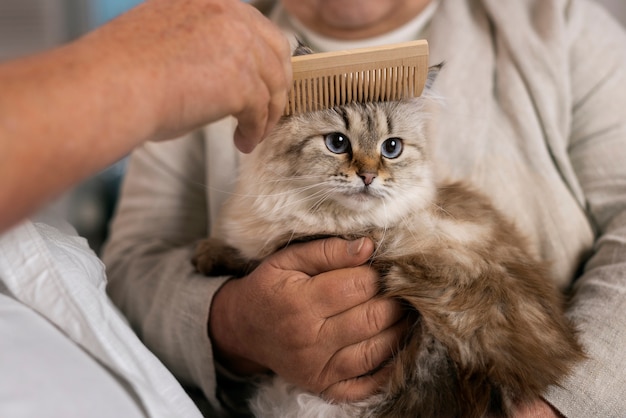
[{"x": 489, "y": 328}]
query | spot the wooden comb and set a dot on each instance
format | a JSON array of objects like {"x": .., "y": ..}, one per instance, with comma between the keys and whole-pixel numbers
[{"x": 329, "y": 79}]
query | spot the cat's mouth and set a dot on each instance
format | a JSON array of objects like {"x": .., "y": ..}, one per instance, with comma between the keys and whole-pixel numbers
[
  {"x": 359, "y": 198},
  {"x": 363, "y": 194}
]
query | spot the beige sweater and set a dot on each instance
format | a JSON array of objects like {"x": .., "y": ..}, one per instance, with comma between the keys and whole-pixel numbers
[{"x": 534, "y": 115}]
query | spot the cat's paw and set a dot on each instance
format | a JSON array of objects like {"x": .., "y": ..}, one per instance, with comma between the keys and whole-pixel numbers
[
  {"x": 213, "y": 257},
  {"x": 207, "y": 255}
]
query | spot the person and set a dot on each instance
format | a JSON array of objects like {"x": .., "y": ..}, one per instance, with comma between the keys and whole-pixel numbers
[
  {"x": 534, "y": 116},
  {"x": 160, "y": 70}
]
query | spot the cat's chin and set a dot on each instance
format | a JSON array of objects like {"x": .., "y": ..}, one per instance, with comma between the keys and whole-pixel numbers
[{"x": 358, "y": 201}]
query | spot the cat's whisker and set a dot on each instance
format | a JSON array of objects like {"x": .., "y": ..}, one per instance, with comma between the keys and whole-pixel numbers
[
  {"x": 381, "y": 240},
  {"x": 294, "y": 178},
  {"x": 288, "y": 192},
  {"x": 315, "y": 195},
  {"x": 316, "y": 206}
]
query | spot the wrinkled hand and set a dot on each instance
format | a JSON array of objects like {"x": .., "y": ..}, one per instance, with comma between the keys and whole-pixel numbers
[
  {"x": 310, "y": 314},
  {"x": 201, "y": 60}
]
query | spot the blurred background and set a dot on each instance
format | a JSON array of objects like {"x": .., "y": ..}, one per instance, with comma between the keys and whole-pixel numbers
[{"x": 27, "y": 26}]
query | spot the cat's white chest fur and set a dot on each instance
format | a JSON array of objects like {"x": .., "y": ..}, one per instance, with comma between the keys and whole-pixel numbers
[{"x": 279, "y": 399}]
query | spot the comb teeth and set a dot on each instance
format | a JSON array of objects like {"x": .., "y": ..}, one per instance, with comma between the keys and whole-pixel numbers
[{"x": 325, "y": 80}]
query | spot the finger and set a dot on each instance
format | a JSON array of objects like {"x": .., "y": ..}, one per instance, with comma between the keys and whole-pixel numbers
[
  {"x": 281, "y": 46},
  {"x": 260, "y": 117},
  {"x": 248, "y": 134},
  {"x": 364, "y": 357},
  {"x": 276, "y": 109},
  {"x": 359, "y": 388},
  {"x": 252, "y": 120},
  {"x": 246, "y": 142},
  {"x": 275, "y": 72},
  {"x": 278, "y": 42},
  {"x": 364, "y": 321},
  {"x": 320, "y": 256},
  {"x": 337, "y": 291}
]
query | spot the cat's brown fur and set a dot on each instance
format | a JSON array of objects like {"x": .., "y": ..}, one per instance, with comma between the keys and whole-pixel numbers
[
  {"x": 489, "y": 327},
  {"x": 494, "y": 317}
]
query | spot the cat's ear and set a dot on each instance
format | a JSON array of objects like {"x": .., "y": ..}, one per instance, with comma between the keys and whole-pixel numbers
[
  {"x": 302, "y": 49},
  {"x": 297, "y": 46},
  {"x": 433, "y": 71}
]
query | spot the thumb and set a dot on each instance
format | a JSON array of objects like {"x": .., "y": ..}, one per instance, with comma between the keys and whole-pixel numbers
[{"x": 320, "y": 256}]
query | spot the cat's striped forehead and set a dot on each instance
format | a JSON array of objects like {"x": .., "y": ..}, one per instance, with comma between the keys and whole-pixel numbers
[{"x": 368, "y": 121}]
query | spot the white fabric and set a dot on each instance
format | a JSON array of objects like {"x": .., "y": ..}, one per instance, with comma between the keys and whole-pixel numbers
[
  {"x": 44, "y": 374},
  {"x": 56, "y": 274}
]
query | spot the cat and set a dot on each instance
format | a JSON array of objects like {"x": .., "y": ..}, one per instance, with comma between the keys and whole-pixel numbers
[{"x": 489, "y": 331}]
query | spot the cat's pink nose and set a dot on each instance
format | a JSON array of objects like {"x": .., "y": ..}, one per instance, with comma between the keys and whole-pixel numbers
[{"x": 367, "y": 178}]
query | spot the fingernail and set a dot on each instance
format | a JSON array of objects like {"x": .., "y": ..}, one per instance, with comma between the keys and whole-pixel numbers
[{"x": 354, "y": 247}]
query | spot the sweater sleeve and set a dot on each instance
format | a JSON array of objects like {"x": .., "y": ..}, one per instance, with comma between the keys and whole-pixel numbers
[
  {"x": 162, "y": 211},
  {"x": 597, "y": 151}
]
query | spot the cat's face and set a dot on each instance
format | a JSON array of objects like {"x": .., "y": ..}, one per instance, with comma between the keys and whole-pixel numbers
[{"x": 359, "y": 157}]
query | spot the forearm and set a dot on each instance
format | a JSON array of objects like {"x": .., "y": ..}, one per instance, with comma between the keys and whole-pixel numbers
[
  {"x": 60, "y": 121},
  {"x": 596, "y": 388}
]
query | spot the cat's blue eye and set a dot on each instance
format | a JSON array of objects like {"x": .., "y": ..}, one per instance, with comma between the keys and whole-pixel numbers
[
  {"x": 391, "y": 148},
  {"x": 337, "y": 142}
]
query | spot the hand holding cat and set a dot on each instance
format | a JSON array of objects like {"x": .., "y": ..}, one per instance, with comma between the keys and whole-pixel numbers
[{"x": 310, "y": 314}]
